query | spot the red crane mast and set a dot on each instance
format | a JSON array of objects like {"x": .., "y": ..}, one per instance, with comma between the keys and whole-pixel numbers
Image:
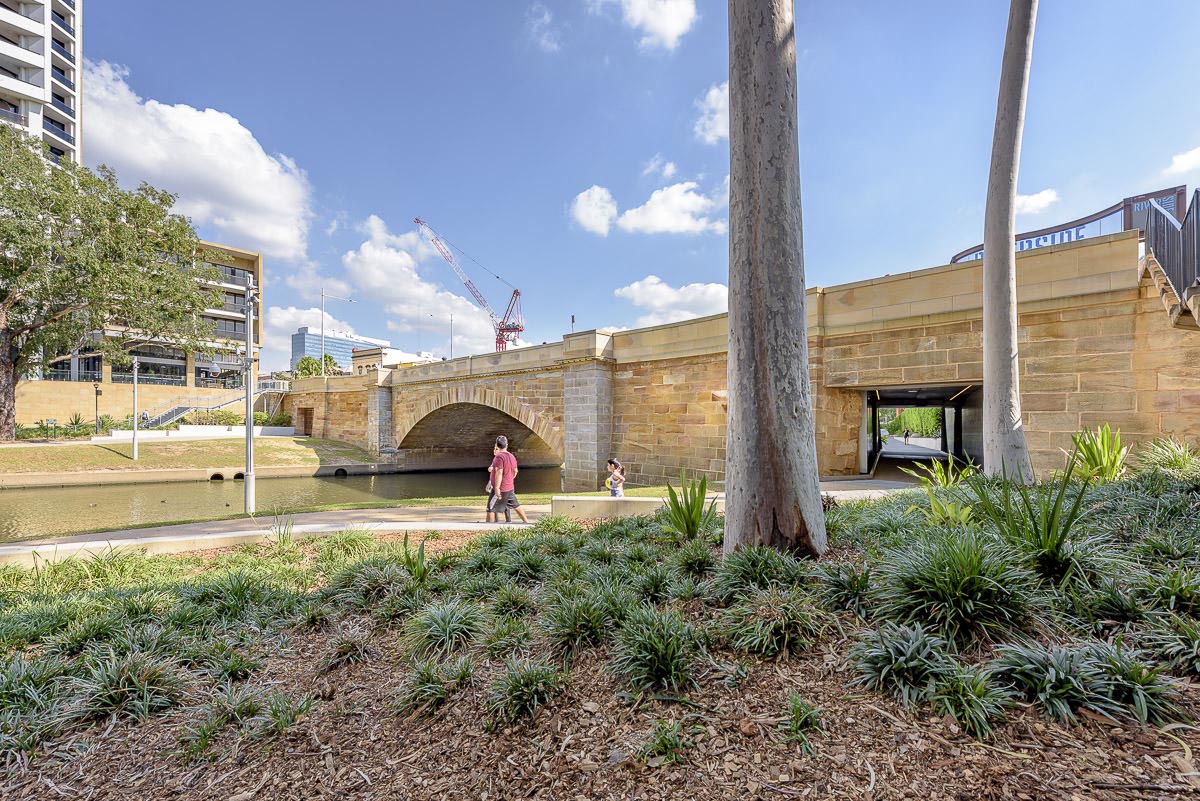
[{"x": 508, "y": 327}]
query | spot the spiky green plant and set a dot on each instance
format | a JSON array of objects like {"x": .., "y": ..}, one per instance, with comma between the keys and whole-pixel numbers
[
  {"x": 845, "y": 586},
  {"x": 968, "y": 695},
  {"x": 280, "y": 712},
  {"x": 1056, "y": 679},
  {"x": 773, "y": 621},
  {"x": 749, "y": 569},
  {"x": 507, "y": 634},
  {"x": 444, "y": 627},
  {"x": 905, "y": 661},
  {"x": 686, "y": 512},
  {"x": 665, "y": 743},
  {"x": 655, "y": 650},
  {"x": 350, "y": 644},
  {"x": 1169, "y": 456},
  {"x": 521, "y": 688},
  {"x": 694, "y": 558},
  {"x": 430, "y": 684},
  {"x": 966, "y": 585},
  {"x": 575, "y": 622},
  {"x": 801, "y": 719},
  {"x": 1100, "y": 455},
  {"x": 133, "y": 685}
]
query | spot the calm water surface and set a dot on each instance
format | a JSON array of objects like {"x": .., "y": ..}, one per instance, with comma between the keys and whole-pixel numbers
[{"x": 54, "y": 511}]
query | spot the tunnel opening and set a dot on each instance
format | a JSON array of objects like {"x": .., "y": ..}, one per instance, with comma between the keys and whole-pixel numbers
[
  {"x": 460, "y": 436},
  {"x": 943, "y": 423}
]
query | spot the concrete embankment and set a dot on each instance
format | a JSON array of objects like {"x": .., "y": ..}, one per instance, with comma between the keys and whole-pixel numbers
[{"x": 107, "y": 477}]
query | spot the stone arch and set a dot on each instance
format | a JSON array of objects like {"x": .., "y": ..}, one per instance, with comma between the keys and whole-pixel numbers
[{"x": 459, "y": 434}]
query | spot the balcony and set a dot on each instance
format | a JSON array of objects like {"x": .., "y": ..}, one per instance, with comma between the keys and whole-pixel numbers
[
  {"x": 62, "y": 51},
  {"x": 63, "y": 107},
  {"x": 22, "y": 55},
  {"x": 62, "y": 78},
  {"x": 19, "y": 20},
  {"x": 61, "y": 22},
  {"x": 150, "y": 378},
  {"x": 61, "y": 133},
  {"x": 69, "y": 4},
  {"x": 64, "y": 374},
  {"x": 12, "y": 116}
]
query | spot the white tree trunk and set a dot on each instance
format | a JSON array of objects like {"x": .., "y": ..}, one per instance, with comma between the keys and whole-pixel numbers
[
  {"x": 772, "y": 496},
  {"x": 1004, "y": 450}
]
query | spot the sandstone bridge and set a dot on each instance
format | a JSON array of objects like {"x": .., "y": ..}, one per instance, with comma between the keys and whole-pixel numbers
[{"x": 1097, "y": 345}]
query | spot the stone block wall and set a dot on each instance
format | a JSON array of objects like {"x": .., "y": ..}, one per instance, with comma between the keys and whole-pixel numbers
[
  {"x": 588, "y": 423},
  {"x": 337, "y": 414}
]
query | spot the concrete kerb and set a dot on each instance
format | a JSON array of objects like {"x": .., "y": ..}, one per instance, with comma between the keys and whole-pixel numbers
[{"x": 33, "y": 555}]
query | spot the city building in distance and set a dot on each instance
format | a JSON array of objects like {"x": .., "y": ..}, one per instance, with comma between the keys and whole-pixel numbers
[
  {"x": 338, "y": 344},
  {"x": 364, "y": 360},
  {"x": 41, "y": 60}
]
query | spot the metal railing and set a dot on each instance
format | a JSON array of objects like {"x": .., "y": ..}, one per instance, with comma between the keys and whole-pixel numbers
[
  {"x": 59, "y": 132},
  {"x": 63, "y": 107},
  {"x": 143, "y": 378},
  {"x": 62, "y": 51},
  {"x": 12, "y": 116},
  {"x": 272, "y": 385},
  {"x": 62, "y": 78},
  {"x": 1174, "y": 246},
  {"x": 61, "y": 22},
  {"x": 87, "y": 376},
  {"x": 69, "y": 4}
]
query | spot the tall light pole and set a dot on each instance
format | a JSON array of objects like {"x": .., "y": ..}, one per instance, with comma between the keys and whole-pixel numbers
[
  {"x": 136, "y": 364},
  {"x": 99, "y": 392},
  {"x": 451, "y": 336},
  {"x": 250, "y": 381},
  {"x": 331, "y": 297}
]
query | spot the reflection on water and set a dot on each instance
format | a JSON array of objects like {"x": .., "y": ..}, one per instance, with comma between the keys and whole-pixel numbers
[{"x": 54, "y": 511}]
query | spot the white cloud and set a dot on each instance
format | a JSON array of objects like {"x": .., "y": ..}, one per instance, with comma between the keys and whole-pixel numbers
[
  {"x": 331, "y": 229},
  {"x": 662, "y": 23},
  {"x": 540, "y": 24},
  {"x": 308, "y": 281},
  {"x": 713, "y": 123},
  {"x": 1184, "y": 162},
  {"x": 384, "y": 269},
  {"x": 225, "y": 180},
  {"x": 281, "y": 323},
  {"x": 675, "y": 209},
  {"x": 659, "y": 165},
  {"x": 667, "y": 304},
  {"x": 1035, "y": 203},
  {"x": 594, "y": 209}
]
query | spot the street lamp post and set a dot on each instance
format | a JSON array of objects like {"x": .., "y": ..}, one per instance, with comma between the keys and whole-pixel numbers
[
  {"x": 136, "y": 365},
  {"x": 98, "y": 394},
  {"x": 331, "y": 297},
  {"x": 452, "y": 336},
  {"x": 250, "y": 381}
]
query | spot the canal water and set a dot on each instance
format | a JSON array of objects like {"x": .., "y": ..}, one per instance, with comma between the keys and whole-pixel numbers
[{"x": 56, "y": 511}]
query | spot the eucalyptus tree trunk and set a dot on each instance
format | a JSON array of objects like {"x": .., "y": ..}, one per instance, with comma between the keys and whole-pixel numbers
[
  {"x": 772, "y": 496},
  {"x": 1004, "y": 450}
]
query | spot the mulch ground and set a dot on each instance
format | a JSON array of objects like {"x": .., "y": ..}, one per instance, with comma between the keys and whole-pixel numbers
[{"x": 352, "y": 746}]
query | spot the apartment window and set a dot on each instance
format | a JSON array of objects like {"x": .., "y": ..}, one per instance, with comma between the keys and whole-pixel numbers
[
  {"x": 12, "y": 107},
  {"x": 55, "y": 123},
  {"x": 8, "y": 72},
  {"x": 229, "y": 326},
  {"x": 59, "y": 98}
]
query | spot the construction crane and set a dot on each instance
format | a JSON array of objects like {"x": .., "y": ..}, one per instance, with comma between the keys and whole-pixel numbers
[{"x": 508, "y": 327}]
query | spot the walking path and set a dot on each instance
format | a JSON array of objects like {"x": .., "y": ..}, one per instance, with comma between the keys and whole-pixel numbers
[{"x": 226, "y": 533}]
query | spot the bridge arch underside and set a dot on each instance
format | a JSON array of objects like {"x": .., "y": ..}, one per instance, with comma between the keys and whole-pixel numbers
[{"x": 460, "y": 436}]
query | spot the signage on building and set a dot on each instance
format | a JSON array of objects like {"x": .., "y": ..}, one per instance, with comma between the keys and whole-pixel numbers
[{"x": 1127, "y": 215}]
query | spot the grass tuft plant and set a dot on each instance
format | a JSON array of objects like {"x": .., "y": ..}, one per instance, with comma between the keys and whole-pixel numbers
[
  {"x": 655, "y": 650},
  {"x": 801, "y": 719},
  {"x": 905, "y": 661},
  {"x": 685, "y": 510},
  {"x": 665, "y": 743},
  {"x": 968, "y": 695},
  {"x": 773, "y": 621},
  {"x": 521, "y": 688},
  {"x": 444, "y": 627}
]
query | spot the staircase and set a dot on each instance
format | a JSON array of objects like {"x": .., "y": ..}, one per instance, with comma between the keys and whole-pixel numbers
[
  {"x": 177, "y": 408},
  {"x": 1173, "y": 261}
]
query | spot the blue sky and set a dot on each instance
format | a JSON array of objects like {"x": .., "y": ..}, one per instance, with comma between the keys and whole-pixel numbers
[{"x": 577, "y": 149}]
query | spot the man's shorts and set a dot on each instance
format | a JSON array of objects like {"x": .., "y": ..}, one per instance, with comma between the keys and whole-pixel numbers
[{"x": 503, "y": 500}]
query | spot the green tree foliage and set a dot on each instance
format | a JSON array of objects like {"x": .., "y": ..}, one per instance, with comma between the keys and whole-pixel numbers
[
  {"x": 921, "y": 422},
  {"x": 81, "y": 255},
  {"x": 309, "y": 366}
]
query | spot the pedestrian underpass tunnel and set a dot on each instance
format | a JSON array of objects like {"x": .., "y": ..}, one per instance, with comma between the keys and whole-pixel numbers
[
  {"x": 461, "y": 435},
  {"x": 942, "y": 421}
]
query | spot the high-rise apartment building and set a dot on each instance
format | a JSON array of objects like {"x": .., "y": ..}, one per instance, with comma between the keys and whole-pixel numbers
[{"x": 41, "y": 61}]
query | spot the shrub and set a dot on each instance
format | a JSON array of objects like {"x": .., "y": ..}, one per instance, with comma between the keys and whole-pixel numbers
[
  {"x": 443, "y": 627},
  {"x": 507, "y": 635},
  {"x": 938, "y": 474},
  {"x": 350, "y": 644},
  {"x": 1100, "y": 456},
  {"x": 1177, "y": 458},
  {"x": 134, "y": 685},
  {"x": 231, "y": 595},
  {"x": 346, "y": 545},
  {"x": 686, "y": 512},
  {"x": 665, "y": 743},
  {"x": 575, "y": 622},
  {"x": 1057, "y": 680},
  {"x": 1111, "y": 607},
  {"x": 906, "y": 661},
  {"x": 197, "y": 741},
  {"x": 234, "y": 704},
  {"x": 844, "y": 586},
  {"x": 520, "y": 689},
  {"x": 526, "y": 564},
  {"x": 1040, "y": 525},
  {"x": 800, "y": 720},
  {"x": 280, "y": 712},
  {"x": 968, "y": 696},
  {"x": 557, "y": 524},
  {"x": 653, "y": 583},
  {"x": 430, "y": 684},
  {"x": 773, "y": 621},
  {"x": 966, "y": 585},
  {"x": 694, "y": 558},
  {"x": 655, "y": 650},
  {"x": 1175, "y": 590},
  {"x": 513, "y": 600},
  {"x": 1175, "y": 641},
  {"x": 365, "y": 584},
  {"x": 749, "y": 569},
  {"x": 1139, "y": 688},
  {"x": 921, "y": 421}
]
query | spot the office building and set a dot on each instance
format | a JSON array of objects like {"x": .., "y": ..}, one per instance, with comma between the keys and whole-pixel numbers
[
  {"x": 338, "y": 344},
  {"x": 41, "y": 61}
]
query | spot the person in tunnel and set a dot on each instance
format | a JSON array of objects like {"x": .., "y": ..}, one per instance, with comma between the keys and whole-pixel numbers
[{"x": 504, "y": 474}]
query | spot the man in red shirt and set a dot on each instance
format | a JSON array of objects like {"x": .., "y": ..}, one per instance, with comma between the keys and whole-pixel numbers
[{"x": 503, "y": 488}]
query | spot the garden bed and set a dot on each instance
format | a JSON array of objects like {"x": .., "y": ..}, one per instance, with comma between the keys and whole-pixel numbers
[{"x": 625, "y": 661}]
